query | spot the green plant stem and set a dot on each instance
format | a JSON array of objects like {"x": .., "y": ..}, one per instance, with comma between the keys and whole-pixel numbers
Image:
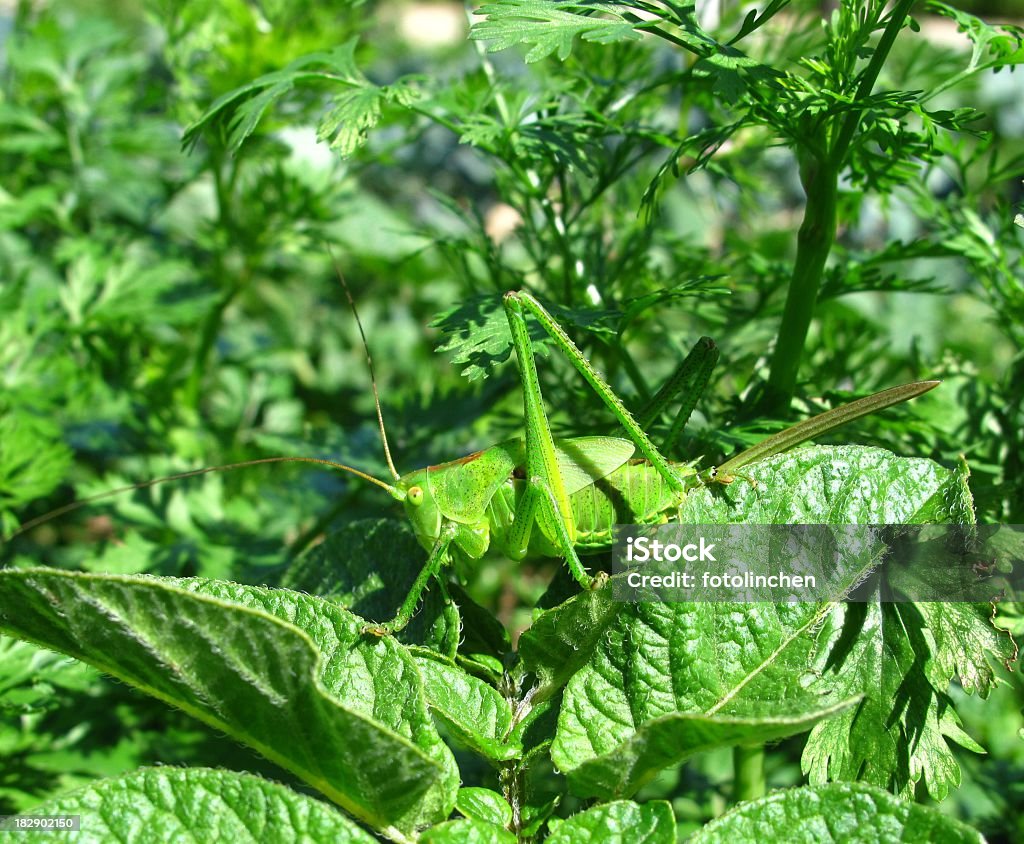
[
  {"x": 814, "y": 243},
  {"x": 819, "y": 173},
  {"x": 748, "y": 773}
]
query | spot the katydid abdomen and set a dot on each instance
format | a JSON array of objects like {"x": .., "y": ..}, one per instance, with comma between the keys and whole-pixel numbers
[{"x": 635, "y": 493}]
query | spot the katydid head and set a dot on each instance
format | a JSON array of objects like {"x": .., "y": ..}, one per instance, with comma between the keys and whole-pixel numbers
[{"x": 416, "y": 494}]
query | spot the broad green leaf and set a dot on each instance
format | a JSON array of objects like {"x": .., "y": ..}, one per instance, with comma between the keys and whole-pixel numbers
[
  {"x": 822, "y": 485},
  {"x": 198, "y": 804},
  {"x": 619, "y": 822},
  {"x": 473, "y": 710},
  {"x": 469, "y": 831},
  {"x": 484, "y": 805},
  {"x": 562, "y": 640},
  {"x": 658, "y": 666},
  {"x": 670, "y": 680},
  {"x": 289, "y": 675},
  {"x": 837, "y": 812},
  {"x": 550, "y": 26}
]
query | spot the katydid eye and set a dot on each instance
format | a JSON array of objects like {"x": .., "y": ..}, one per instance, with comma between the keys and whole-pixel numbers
[{"x": 416, "y": 495}]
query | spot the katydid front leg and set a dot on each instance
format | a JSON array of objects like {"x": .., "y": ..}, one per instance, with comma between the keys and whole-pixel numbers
[{"x": 438, "y": 556}]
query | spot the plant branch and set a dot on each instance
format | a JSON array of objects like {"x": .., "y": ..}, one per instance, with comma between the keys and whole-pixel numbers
[
  {"x": 819, "y": 174},
  {"x": 748, "y": 773}
]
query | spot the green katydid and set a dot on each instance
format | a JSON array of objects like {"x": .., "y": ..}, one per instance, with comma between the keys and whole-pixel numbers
[
  {"x": 541, "y": 497},
  {"x": 572, "y": 492}
]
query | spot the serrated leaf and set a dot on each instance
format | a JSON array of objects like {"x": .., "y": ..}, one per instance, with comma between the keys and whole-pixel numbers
[
  {"x": 550, "y": 26},
  {"x": 899, "y": 656},
  {"x": 473, "y": 710},
  {"x": 290, "y": 675},
  {"x": 1004, "y": 44},
  {"x": 33, "y": 460},
  {"x": 479, "y": 335},
  {"x": 469, "y": 831},
  {"x": 619, "y": 822},
  {"x": 354, "y": 113},
  {"x": 898, "y": 735},
  {"x": 658, "y": 663},
  {"x": 837, "y": 812},
  {"x": 345, "y": 126},
  {"x": 198, "y": 804},
  {"x": 482, "y": 804},
  {"x": 242, "y": 109}
]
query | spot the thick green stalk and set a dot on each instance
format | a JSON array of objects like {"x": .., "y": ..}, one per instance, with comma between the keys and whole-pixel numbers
[
  {"x": 748, "y": 773},
  {"x": 814, "y": 243},
  {"x": 819, "y": 173}
]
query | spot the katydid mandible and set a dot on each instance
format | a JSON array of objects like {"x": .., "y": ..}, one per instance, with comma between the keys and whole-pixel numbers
[{"x": 538, "y": 496}]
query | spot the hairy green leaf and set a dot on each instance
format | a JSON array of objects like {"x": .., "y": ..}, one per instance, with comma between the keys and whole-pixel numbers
[
  {"x": 670, "y": 680},
  {"x": 837, "y": 812},
  {"x": 198, "y": 804},
  {"x": 561, "y": 640},
  {"x": 618, "y": 822},
  {"x": 475, "y": 712},
  {"x": 484, "y": 805},
  {"x": 287, "y": 674}
]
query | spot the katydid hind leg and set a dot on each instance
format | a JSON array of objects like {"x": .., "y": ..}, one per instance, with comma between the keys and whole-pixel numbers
[
  {"x": 689, "y": 380},
  {"x": 541, "y": 458},
  {"x": 633, "y": 429}
]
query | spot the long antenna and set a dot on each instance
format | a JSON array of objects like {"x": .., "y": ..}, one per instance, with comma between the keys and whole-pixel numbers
[
  {"x": 74, "y": 505},
  {"x": 369, "y": 364}
]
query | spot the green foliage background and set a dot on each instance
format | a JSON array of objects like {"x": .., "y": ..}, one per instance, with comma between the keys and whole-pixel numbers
[{"x": 165, "y": 309}]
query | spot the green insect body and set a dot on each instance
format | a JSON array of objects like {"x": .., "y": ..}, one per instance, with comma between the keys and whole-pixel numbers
[{"x": 479, "y": 494}]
